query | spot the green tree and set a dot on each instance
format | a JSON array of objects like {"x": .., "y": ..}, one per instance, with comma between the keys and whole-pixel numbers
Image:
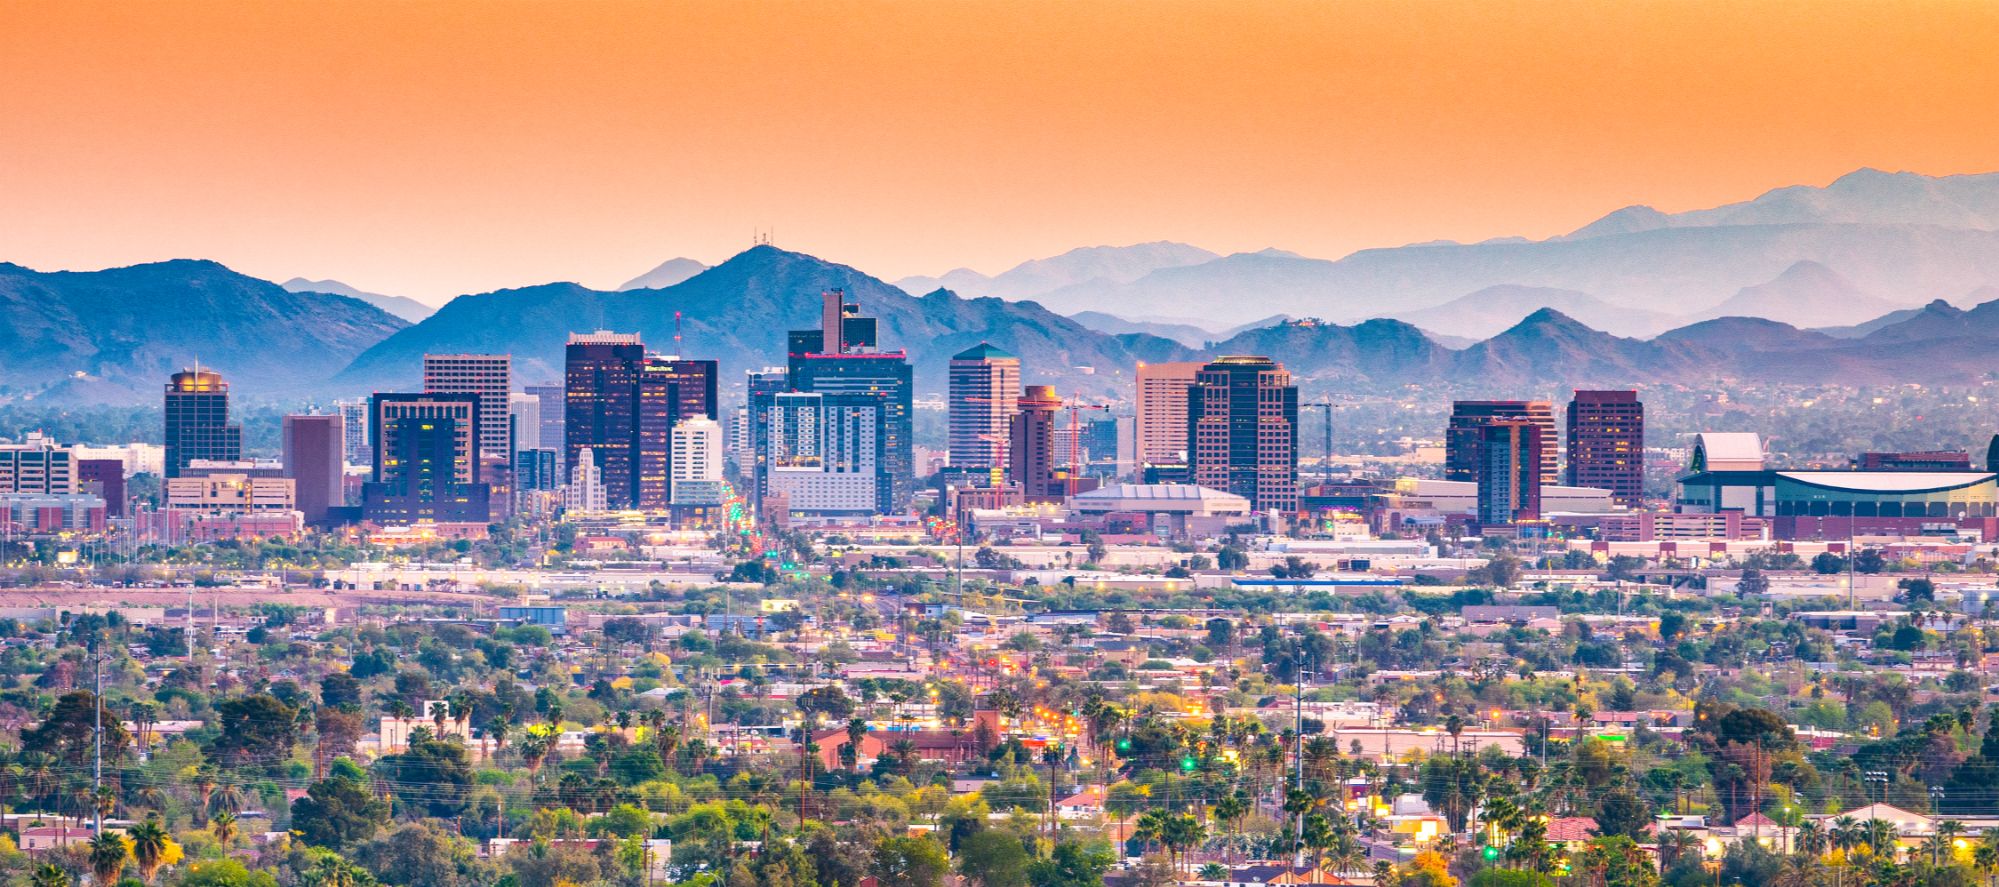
[
  {"x": 431, "y": 776},
  {"x": 225, "y": 873},
  {"x": 910, "y": 862},
  {"x": 338, "y": 813},
  {"x": 1070, "y": 865},
  {"x": 254, "y": 729},
  {"x": 993, "y": 858}
]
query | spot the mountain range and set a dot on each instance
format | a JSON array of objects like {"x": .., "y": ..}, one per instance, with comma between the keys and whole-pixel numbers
[
  {"x": 1817, "y": 258},
  {"x": 1900, "y": 239},
  {"x": 113, "y": 336}
]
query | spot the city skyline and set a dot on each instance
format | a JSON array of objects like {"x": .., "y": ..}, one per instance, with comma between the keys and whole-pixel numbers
[{"x": 339, "y": 129}]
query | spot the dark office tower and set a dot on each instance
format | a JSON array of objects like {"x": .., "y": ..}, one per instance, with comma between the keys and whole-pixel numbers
[
  {"x": 852, "y": 366},
  {"x": 760, "y": 391},
  {"x": 197, "y": 411},
  {"x": 426, "y": 470},
  {"x": 1509, "y": 477},
  {"x": 670, "y": 390},
  {"x": 1242, "y": 431},
  {"x": 314, "y": 457},
  {"x": 106, "y": 478},
  {"x": 985, "y": 382},
  {"x": 490, "y": 376},
  {"x": 601, "y": 408},
  {"x": 1607, "y": 444},
  {"x": 550, "y": 397},
  {"x": 1100, "y": 440},
  {"x": 1462, "y": 437},
  {"x": 1031, "y": 444}
]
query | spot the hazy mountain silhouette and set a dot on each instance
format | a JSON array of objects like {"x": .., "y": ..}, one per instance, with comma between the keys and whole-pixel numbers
[
  {"x": 668, "y": 273},
  {"x": 401, "y": 306},
  {"x": 1901, "y": 238},
  {"x": 1097, "y": 265},
  {"x": 1495, "y": 308}
]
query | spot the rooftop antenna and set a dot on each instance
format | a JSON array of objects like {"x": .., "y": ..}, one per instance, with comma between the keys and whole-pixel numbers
[{"x": 676, "y": 333}]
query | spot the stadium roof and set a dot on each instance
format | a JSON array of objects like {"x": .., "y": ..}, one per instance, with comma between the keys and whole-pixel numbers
[{"x": 1888, "y": 481}]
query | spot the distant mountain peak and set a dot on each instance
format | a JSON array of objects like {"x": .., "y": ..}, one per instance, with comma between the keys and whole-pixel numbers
[
  {"x": 401, "y": 306},
  {"x": 665, "y": 274}
]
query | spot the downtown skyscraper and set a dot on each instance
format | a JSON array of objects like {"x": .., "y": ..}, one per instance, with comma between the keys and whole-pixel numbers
[
  {"x": 1463, "y": 437},
  {"x": 197, "y": 421},
  {"x": 486, "y": 376},
  {"x": 984, "y": 387},
  {"x": 1242, "y": 431},
  {"x": 1607, "y": 444},
  {"x": 621, "y": 404},
  {"x": 841, "y": 360}
]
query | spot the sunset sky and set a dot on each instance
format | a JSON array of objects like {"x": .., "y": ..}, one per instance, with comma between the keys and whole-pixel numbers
[{"x": 434, "y": 148}]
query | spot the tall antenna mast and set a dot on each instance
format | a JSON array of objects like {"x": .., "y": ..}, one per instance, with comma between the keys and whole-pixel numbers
[{"x": 676, "y": 335}]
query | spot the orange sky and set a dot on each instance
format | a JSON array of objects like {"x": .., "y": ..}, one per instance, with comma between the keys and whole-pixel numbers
[{"x": 433, "y": 148}]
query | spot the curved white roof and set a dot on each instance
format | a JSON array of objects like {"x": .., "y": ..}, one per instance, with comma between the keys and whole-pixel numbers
[
  {"x": 1730, "y": 446},
  {"x": 1887, "y": 481}
]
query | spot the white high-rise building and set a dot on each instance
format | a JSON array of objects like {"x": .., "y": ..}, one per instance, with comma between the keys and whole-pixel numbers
[
  {"x": 355, "y": 450},
  {"x": 696, "y": 477},
  {"x": 490, "y": 376},
  {"x": 585, "y": 492},
  {"x": 525, "y": 412}
]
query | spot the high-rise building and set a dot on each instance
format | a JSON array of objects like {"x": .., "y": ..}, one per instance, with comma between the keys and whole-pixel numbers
[
  {"x": 524, "y": 421},
  {"x": 585, "y": 492},
  {"x": 197, "y": 417},
  {"x": 760, "y": 391},
  {"x": 1607, "y": 444},
  {"x": 426, "y": 461},
  {"x": 1100, "y": 440},
  {"x": 601, "y": 409},
  {"x": 1510, "y": 471},
  {"x": 1242, "y": 421},
  {"x": 549, "y": 412},
  {"x": 354, "y": 424},
  {"x": 697, "y": 462},
  {"x": 460, "y": 411},
  {"x": 534, "y": 470},
  {"x": 314, "y": 461},
  {"x": 37, "y": 465},
  {"x": 1462, "y": 436},
  {"x": 840, "y": 358},
  {"x": 984, "y": 384},
  {"x": 490, "y": 377},
  {"x": 671, "y": 391},
  {"x": 1161, "y": 426},
  {"x": 1031, "y": 458},
  {"x": 823, "y": 453}
]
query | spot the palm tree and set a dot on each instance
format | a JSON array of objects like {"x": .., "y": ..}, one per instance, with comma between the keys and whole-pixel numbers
[
  {"x": 108, "y": 855},
  {"x": 1985, "y": 857},
  {"x": 228, "y": 796},
  {"x": 1948, "y": 831},
  {"x": 1847, "y": 834},
  {"x": 150, "y": 847},
  {"x": 1880, "y": 837},
  {"x": 49, "y": 874},
  {"x": 224, "y": 827},
  {"x": 1810, "y": 839}
]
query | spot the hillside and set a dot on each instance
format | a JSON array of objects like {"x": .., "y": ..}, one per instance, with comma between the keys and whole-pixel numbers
[
  {"x": 738, "y": 312},
  {"x": 115, "y": 335}
]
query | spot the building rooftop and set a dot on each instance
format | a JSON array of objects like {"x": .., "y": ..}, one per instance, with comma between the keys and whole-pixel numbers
[
  {"x": 1155, "y": 491},
  {"x": 983, "y": 351},
  {"x": 1888, "y": 481}
]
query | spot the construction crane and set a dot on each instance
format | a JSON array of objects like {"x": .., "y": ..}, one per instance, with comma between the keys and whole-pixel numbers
[{"x": 1326, "y": 461}]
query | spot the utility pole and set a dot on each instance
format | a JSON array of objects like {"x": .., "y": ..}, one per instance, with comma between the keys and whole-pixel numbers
[
  {"x": 1298, "y": 746},
  {"x": 97, "y": 766},
  {"x": 190, "y": 625}
]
